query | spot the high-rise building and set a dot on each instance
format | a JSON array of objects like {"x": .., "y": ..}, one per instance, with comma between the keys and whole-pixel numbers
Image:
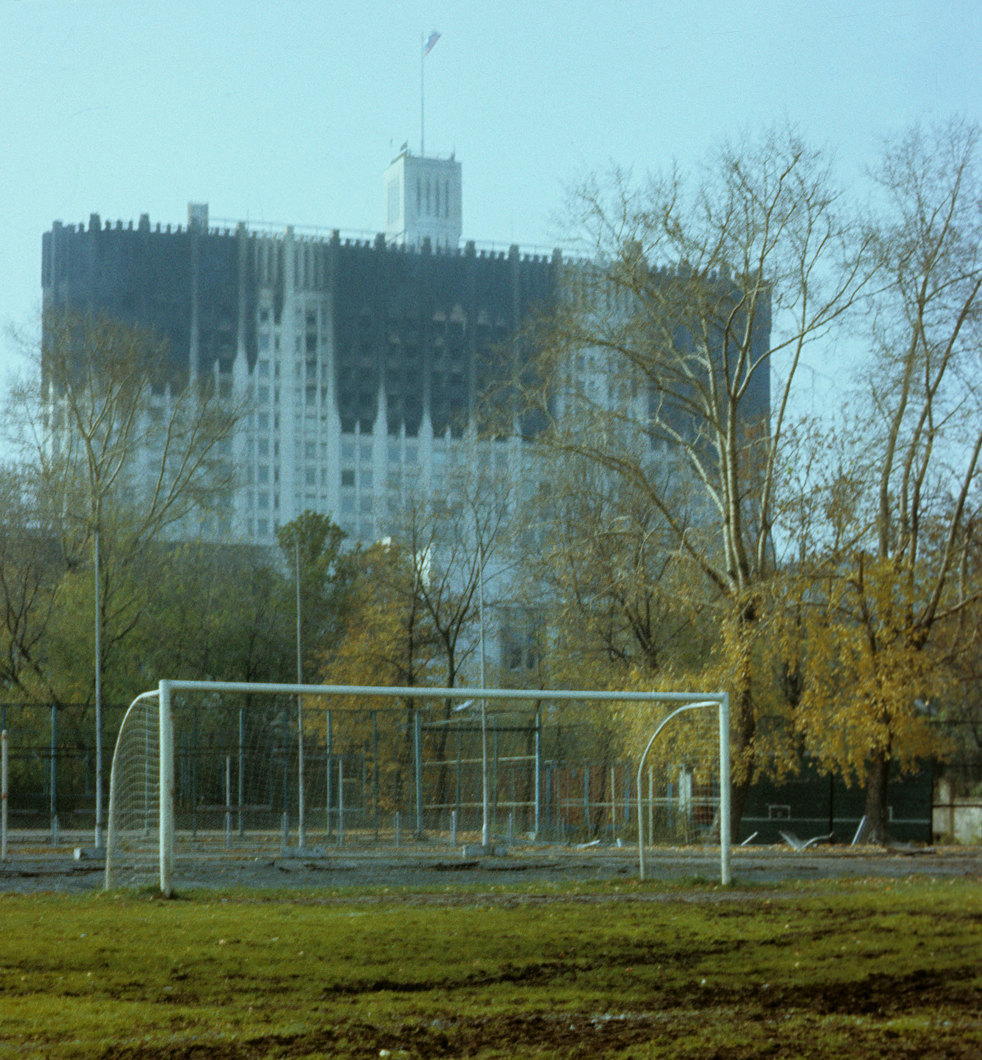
[{"x": 362, "y": 361}]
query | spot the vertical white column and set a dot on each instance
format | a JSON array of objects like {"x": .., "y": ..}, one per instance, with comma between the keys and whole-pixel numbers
[{"x": 166, "y": 790}]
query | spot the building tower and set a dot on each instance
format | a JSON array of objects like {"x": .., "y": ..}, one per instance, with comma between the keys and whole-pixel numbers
[{"x": 423, "y": 201}]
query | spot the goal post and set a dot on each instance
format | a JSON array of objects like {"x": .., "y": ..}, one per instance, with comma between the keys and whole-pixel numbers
[
  {"x": 722, "y": 704},
  {"x": 134, "y": 783},
  {"x": 167, "y": 688}
]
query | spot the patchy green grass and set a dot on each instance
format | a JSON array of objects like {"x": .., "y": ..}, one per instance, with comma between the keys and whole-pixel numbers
[{"x": 864, "y": 968}]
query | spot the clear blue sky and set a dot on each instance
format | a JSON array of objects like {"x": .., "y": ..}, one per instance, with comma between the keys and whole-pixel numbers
[{"x": 290, "y": 111}]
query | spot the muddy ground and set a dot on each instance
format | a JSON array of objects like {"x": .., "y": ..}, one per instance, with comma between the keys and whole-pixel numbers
[
  {"x": 427, "y": 866},
  {"x": 724, "y": 1021}
]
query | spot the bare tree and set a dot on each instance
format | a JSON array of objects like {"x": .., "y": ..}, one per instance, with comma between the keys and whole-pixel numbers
[
  {"x": 126, "y": 448},
  {"x": 30, "y": 580},
  {"x": 898, "y": 580},
  {"x": 672, "y": 360},
  {"x": 118, "y": 431}
]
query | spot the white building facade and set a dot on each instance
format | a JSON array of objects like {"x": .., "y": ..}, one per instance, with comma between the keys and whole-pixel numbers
[{"x": 361, "y": 363}]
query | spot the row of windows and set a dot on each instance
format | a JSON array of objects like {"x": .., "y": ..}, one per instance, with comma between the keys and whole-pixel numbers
[
  {"x": 269, "y": 343},
  {"x": 314, "y": 475},
  {"x": 428, "y": 198}
]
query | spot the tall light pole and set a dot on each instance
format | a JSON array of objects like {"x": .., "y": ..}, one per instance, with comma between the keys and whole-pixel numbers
[
  {"x": 485, "y": 794},
  {"x": 98, "y": 695},
  {"x": 301, "y": 834}
]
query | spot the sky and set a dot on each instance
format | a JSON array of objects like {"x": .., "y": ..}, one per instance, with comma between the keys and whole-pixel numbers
[{"x": 289, "y": 112}]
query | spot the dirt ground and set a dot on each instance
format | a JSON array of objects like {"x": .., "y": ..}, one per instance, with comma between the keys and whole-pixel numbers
[{"x": 427, "y": 866}]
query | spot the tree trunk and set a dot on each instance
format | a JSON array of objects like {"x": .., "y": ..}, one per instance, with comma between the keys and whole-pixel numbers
[
  {"x": 877, "y": 807},
  {"x": 738, "y": 798},
  {"x": 743, "y": 728}
]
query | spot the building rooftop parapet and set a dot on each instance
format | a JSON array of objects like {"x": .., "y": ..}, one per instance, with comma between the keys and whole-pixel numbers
[
  {"x": 359, "y": 237},
  {"x": 487, "y": 250}
]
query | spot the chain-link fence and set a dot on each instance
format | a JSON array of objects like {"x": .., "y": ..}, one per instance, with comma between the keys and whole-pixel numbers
[
  {"x": 365, "y": 776},
  {"x": 389, "y": 776}
]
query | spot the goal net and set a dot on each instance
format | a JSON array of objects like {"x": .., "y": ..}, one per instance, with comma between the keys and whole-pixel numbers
[
  {"x": 133, "y": 823},
  {"x": 205, "y": 771}
]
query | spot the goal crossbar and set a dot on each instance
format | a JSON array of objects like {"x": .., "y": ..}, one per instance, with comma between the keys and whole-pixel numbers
[{"x": 167, "y": 688}]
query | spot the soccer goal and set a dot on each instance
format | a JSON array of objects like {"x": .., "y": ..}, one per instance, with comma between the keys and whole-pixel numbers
[
  {"x": 141, "y": 832},
  {"x": 134, "y": 794}
]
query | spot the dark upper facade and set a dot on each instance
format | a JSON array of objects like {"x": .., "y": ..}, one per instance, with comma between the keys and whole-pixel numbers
[{"x": 428, "y": 329}]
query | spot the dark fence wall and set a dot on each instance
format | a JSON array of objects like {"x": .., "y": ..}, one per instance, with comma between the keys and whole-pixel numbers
[{"x": 815, "y": 803}]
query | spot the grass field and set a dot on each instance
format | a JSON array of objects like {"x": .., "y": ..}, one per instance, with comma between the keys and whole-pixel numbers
[{"x": 849, "y": 969}]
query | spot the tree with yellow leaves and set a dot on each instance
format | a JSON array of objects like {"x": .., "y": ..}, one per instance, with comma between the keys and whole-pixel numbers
[
  {"x": 903, "y": 503},
  {"x": 656, "y": 367}
]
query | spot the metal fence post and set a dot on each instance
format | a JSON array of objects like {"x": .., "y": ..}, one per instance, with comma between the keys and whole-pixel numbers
[
  {"x": 4, "y": 793},
  {"x": 53, "y": 802},
  {"x": 418, "y": 755}
]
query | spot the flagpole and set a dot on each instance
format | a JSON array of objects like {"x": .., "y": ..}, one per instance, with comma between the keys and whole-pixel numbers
[{"x": 425, "y": 47}]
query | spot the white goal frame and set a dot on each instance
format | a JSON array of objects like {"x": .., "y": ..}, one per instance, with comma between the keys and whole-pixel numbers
[{"x": 167, "y": 688}]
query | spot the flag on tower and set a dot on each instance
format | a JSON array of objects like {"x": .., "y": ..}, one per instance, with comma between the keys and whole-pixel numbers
[{"x": 430, "y": 42}]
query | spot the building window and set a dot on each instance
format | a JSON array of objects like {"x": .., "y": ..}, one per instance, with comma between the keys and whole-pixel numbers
[
  {"x": 348, "y": 477},
  {"x": 393, "y": 200}
]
